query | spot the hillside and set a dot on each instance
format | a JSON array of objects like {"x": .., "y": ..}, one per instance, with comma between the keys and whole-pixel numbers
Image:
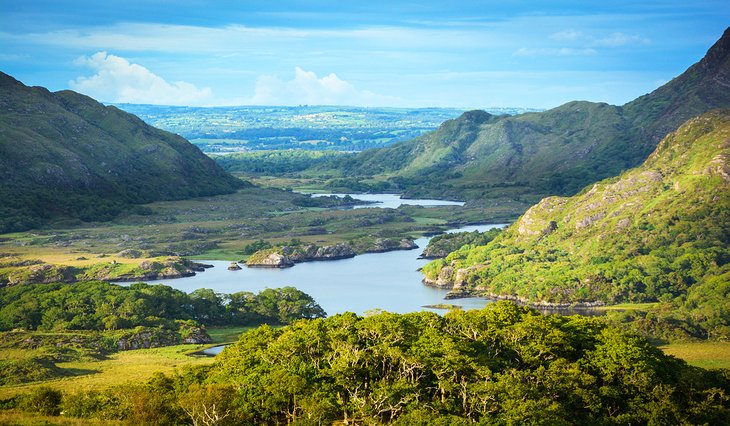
[
  {"x": 555, "y": 152},
  {"x": 654, "y": 233},
  {"x": 65, "y": 155}
]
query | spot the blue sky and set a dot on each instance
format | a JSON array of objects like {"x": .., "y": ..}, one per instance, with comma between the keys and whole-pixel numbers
[{"x": 377, "y": 53}]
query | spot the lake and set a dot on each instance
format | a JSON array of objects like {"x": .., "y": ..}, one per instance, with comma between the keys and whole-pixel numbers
[
  {"x": 389, "y": 281},
  {"x": 391, "y": 201}
]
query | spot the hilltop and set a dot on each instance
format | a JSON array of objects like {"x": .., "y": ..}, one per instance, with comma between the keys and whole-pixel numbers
[
  {"x": 532, "y": 155},
  {"x": 657, "y": 232},
  {"x": 63, "y": 154}
]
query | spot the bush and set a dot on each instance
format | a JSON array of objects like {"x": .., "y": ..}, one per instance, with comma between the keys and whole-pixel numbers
[{"x": 43, "y": 400}]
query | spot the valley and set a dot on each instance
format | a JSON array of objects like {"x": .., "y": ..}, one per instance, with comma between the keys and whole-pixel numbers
[{"x": 365, "y": 265}]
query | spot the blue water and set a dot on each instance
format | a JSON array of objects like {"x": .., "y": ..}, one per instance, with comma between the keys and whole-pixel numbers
[
  {"x": 392, "y": 201},
  {"x": 389, "y": 281}
]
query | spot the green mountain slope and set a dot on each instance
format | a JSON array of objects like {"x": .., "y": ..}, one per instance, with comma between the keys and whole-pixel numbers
[
  {"x": 64, "y": 154},
  {"x": 650, "y": 234},
  {"x": 556, "y": 152}
]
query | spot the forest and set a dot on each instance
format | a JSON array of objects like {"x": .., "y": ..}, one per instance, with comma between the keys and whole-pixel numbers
[{"x": 504, "y": 364}]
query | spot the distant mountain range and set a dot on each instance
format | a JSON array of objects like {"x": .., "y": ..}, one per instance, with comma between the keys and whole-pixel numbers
[
  {"x": 63, "y": 154},
  {"x": 657, "y": 232},
  {"x": 555, "y": 152}
]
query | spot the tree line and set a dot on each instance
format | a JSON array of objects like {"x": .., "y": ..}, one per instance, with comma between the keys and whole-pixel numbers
[
  {"x": 505, "y": 364},
  {"x": 97, "y": 305}
]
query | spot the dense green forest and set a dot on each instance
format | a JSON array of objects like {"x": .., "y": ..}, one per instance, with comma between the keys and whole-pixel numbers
[
  {"x": 274, "y": 162},
  {"x": 504, "y": 364},
  {"x": 441, "y": 245},
  {"x": 650, "y": 234},
  {"x": 102, "y": 306}
]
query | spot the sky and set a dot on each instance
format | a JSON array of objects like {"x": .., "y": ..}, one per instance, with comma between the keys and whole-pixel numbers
[{"x": 464, "y": 54}]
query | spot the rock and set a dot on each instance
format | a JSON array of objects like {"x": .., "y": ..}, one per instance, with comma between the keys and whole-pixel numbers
[
  {"x": 388, "y": 244},
  {"x": 234, "y": 267},
  {"x": 337, "y": 251},
  {"x": 41, "y": 274},
  {"x": 312, "y": 252},
  {"x": 623, "y": 223},
  {"x": 443, "y": 280},
  {"x": 269, "y": 258},
  {"x": 131, "y": 254}
]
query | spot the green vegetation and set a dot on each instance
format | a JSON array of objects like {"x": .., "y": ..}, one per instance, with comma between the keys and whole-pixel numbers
[
  {"x": 83, "y": 322},
  {"x": 441, "y": 245},
  {"x": 710, "y": 355},
  {"x": 502, "y": 365},
  {"x": 64, "y": 155},
  {"x": 104, "y": 306},
  {"x": 658, "y": 232},
  {"x": 224, "y": 227},
  {"x": 274, "y": 162},
  {"x": 305, "y": 127}
]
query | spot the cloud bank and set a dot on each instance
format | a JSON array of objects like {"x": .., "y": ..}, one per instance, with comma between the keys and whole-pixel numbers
[
  {"x": 118, "y": 80},
  {"x": 307, "y": 88}
]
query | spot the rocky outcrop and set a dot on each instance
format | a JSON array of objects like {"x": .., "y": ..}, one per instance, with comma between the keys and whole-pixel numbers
[
  {"x": 312, "y": 252},
  {"x": 131, "y": 254},
  {"x": 172, "y": 267},
  {"x": 283, "y": 257},
  {"x": 269, "y": 258},
  {"x": 146, "y": 337},
  {"x": 287, "y": 256},
  {"x": 234, "y": 266},
  {"x": 389, "y": 244},
  {"x": 41, "y": 274}
]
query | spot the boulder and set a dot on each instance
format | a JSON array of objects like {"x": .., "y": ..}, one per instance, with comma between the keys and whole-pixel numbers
[
  {"x": 269, "y": 259},
  {"x": 389, "y": 244}
]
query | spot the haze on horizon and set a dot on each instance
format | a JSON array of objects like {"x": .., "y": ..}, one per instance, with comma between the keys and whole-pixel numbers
[{"x": 467, "y": 54}]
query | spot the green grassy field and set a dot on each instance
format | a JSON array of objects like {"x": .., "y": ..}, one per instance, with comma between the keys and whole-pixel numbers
[
  {"x": 218, "y": 228},
  {"x": 227, "y": 334},
  {"x": 128, "y": 366},
  {"x": 19, "y": 418},
  {"x": 701, "y": 354},
  {"x": 628, "y": 307},
  {"x": 135, "y": 366}
]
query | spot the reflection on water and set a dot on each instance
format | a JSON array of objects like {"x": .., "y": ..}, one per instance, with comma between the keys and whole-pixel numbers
[{"x": 392, "y": 201}]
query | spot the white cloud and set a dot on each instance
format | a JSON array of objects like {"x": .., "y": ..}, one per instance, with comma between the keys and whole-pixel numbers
[
  {"x": 621, "y": 39},
  {"x": 307, "y": 88},
  {"x": 566, "y": 35},
  {"x": 118, "y": 80}
]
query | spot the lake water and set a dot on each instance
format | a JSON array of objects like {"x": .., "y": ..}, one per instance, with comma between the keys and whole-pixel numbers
[
  {"x": 389, "y": 281},
  {"x": 392, "y": 201}
]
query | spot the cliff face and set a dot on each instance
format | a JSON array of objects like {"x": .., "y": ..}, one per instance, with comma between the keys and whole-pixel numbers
[
  {"x": 64, "y": 154},
  {"x": 653, "y": 232}
]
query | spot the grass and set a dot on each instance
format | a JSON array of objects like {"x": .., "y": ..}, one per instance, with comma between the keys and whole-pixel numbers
[
  {"x": 19, "y": 418},
  {"x": 218, "y": 227},
  {"x": 227, "y": 334},
  {"x": 629, "y": 307},
  {"x": 701, "y": 354},
  {"x": 135, "y": 366}
]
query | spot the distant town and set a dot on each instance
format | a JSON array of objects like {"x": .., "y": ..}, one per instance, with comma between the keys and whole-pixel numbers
[{"x": 218, "y": 130}]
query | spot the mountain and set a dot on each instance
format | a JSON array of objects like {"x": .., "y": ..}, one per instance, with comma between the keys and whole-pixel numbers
[
  {"x": 652, "y": 233},
  {"x": 63, "y": 154},
  {"x": 555, "y": 152}
]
